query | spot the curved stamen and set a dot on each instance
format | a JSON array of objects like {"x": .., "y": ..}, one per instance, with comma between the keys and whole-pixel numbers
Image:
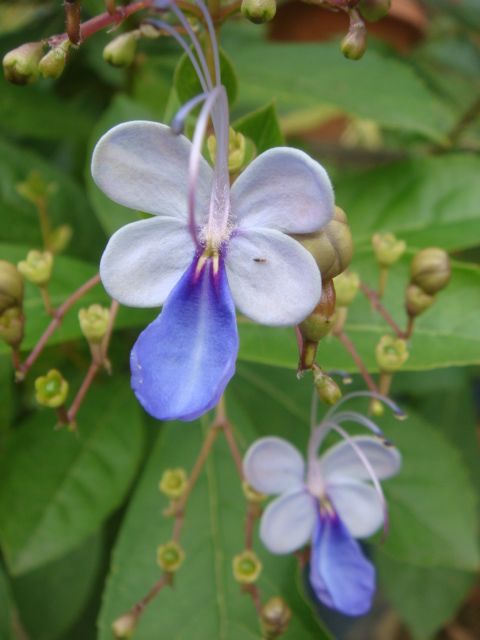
[
  {"x": 368, "y": 467},
  {"x": 196, "y": 155},
  {"x": 164, "y": 26},
  {"x": 353, "y": 416},
  {"x": 195, "y": 42},
  {"x": 178, "y": 120},
  {"x": 399, "y": 413},
  {"x": 213, "y": 39}
]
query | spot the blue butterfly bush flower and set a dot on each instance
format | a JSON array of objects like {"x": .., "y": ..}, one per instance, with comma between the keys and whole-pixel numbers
[
  {"x": 209, "y": 247},
  {"x": 330, "y": 502}
]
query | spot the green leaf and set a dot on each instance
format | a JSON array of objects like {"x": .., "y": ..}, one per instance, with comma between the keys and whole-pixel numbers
[
  {"x": 206, "y": 602},
  {"x": 31, "y": 111},
  {"x": 111, "y": 215},
  {"x": 261, "y": 126},
  {"x": 426, "y": 201},
  {"x": 68, "y": 275},
  {"x": 51, "y": 598},
  {"x": 56, "y": 488},
  {"x": 379, "y": 87},
  {"x": 424, "y": 598},
  {"x": 9, "y": 623},
  {"x": 446, "y": 335},
  {"x": 432, "y": 502},
  {"x": 188, "y": 85},
  {"x": 67, "y": 205}
]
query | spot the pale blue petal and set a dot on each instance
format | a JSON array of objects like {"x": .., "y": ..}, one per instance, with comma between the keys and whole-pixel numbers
[
  {"x": 359, "y": 506},
  {"x": 340, "y": 575},
  {"x": 272, "y": 465},
  {"x": 184, "y": 359}
]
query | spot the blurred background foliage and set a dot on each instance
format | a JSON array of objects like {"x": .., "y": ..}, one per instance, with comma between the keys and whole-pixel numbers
[{"x": 81, "y": 517}]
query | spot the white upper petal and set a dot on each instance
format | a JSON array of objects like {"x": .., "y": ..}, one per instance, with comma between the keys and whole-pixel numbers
[
  {"x": 358, "y": 505},
  {"x": 273, "y": 279},
  {"x": 144, "y": 166},
  {"x": 283, "y": 189},
  {"x": 273, "y": 465},
  {"x": 341, "y": 460},
  {"x": 287, "y": 523},
  {"x": 144, "y": 260}
]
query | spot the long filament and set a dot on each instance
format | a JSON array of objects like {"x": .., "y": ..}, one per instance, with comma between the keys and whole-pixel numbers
[
  {"x": 399, "y": 413},
  {"x": 178, "y": 121}
]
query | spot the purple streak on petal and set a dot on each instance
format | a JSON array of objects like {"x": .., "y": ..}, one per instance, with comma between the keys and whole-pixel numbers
[
  {"x": 184, "y": 359},
  {"x": 340, "y": 575}
]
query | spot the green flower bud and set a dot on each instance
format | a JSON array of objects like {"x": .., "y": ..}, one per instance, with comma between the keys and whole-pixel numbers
[
  {"x": 60, "y": 238},
  {"x": 170, "y": 556},
  {"x": 12, "y": 324},
  {"x": 35, "y": 188},
  {"x": 251, "y": 495},
  {"x": 354, "y": 44},
  {"x": 174, "y": 483},
  {"x": 259, "y": 11},
  {"x": 275, "y": 617},
  {"x": 431, "y": 270},
  {"x": 391, "y": 353},
  {"x": 246, "y": 567},
  {"x": 37, "y": 268},
  {"x": 20, "y": 65},
  {"x": 124, "y": 626},
  {"x": 120, "y": 52},
  {"x": 327, "y": 389},
  {"x": 377, "y": 408},
  {"x": 53, "y": 63},
  {"x": 11, "y": 286},
  {"x": 346, "y": 288},
  {"x": 332, "y": 247},
  {"x": 387, "y": 248},
  {"x": 373, "y": 10},
  {"x": 51, "y": 390},
  {"x": 417, "y": 301},
  {"x": 94, "y": 322},
  {"x": 241, "y": 150}
]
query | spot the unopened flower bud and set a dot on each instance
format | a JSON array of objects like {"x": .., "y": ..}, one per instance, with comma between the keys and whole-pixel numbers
[
  {"x": 35, "y": 188},
  {"x": 53, "y": 63},
  {"x": 259, "y": 11},
  {"x": 11, "y": 326},
  {"x": 275, "y": 617},
  {"x": 20, "y": 65},
  {"x": 377, "y": 408},
  {"x": 37, "y": 267},
  {"x": 251, "y": 495},
  {"x": 327, "y": 389},
  {"x": 173, "y": 483},
  {"x": 170, "y": 556},
  {"x": 246, "y": 567},
  {"x": 120, "y": 52},
  {"x": 373, "y": 10},
  {"x": 51, "y": 390},
  {"x": 332, "y": 247},
  {"x": 59, "y": 238},
  {"x": 124, "y": 626},
  {"x": 241, "y": 150},
  {"x": 417, "y": 301},
  {"x": 11, "y": 286},
  {"x": 346, "y": 288},
  {"x": 94, "y": 322},
  {"x": 320, "y": 322},
  {"x": 391, "y": 353},
  {"x": 431, "y": 270},
  {"x": 354, "y": 44},
  {"x": 387, "y": 248}
]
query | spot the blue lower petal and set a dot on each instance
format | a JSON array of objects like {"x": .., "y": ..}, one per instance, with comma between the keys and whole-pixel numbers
[
  {"x": 184, "y": 359},
  {"x": 340, "y": 575}
]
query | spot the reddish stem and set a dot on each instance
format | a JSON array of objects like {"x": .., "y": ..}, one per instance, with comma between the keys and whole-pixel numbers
[
  {"x": 55, "y": 323},
  {"x": 378, "y": 306},
  {"x": 350, "y": 347}
]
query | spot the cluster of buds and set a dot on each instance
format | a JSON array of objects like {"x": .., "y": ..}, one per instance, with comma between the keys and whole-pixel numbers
[
  {"x": 11, "y": 304},
  {"x": 26, "y": 63},
  {"x": 430, "y": 272}
]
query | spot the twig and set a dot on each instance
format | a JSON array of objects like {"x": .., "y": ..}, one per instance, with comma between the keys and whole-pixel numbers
[
  {"x": 254, "y": 592},
  {"x": 54, "y": 324},
  {"x": 378, "y": 306},
  {"x": 349, "y": 346}
]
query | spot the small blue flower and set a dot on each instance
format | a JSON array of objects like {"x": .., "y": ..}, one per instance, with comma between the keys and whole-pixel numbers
[
  {"x": 209, "y": 247},
  {"x": 330, "y": 503}
]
